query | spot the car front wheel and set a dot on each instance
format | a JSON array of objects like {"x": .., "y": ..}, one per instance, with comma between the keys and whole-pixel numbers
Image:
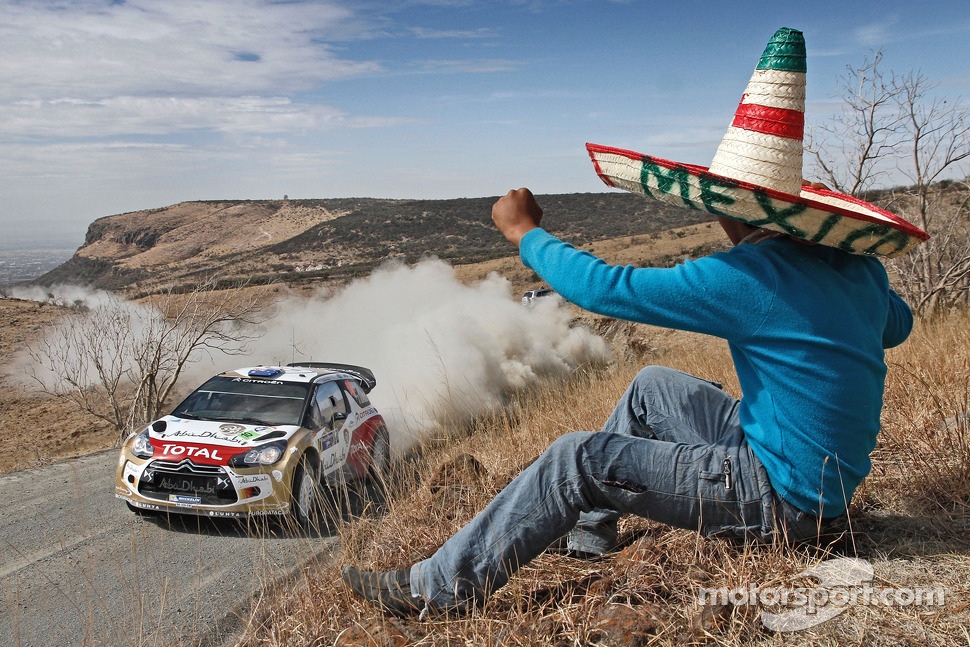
[{"x": 306, "y": 494}]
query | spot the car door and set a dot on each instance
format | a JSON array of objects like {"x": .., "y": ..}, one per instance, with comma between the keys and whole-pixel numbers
[{"x": 332, "y": 439}]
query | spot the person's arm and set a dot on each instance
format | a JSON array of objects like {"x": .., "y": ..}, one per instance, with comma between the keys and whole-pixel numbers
[
  {"x": 711, "y": 296},
  {"x": 716, "y": 295},
  {"x": 899, "y": 321}
]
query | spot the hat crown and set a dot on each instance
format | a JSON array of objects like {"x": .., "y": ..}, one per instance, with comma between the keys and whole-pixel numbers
[
  {"x": 785, "y": 51},
  {"x": 763, "y": 145}
]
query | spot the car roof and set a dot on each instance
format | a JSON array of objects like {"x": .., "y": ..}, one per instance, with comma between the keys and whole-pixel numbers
[
  {"x": 305, "y": 372},
  {"x": 284, "y": 373}
]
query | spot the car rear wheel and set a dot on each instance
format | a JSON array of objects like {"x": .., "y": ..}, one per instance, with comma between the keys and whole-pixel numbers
[
  {"x": 380, "y": 456},
  {"x": 306, "y": 494}
]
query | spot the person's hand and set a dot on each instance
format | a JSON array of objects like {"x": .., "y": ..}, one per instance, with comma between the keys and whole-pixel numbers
[{"x": 515, "y": 214}]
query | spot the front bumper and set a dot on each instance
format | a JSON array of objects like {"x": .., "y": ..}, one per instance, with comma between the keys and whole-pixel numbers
[{"x": 185, "y": 487}]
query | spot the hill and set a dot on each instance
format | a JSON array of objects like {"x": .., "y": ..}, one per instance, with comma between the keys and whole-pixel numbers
[{"x": 298, "y": 241}]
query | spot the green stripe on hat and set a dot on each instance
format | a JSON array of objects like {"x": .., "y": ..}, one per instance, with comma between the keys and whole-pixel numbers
[{"x": 785, "y": 52}]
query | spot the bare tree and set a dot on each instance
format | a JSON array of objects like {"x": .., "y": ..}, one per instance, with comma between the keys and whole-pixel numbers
[
  {"x": 120, "y": 360},
  {"x": 850, "y": 150},
  {"x": 891, "y": 124},
  {"x": 938, "y": 134},
  {"x": 936, "y": 275}
]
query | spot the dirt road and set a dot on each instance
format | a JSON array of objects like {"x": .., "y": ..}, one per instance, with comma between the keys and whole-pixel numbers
[{"x": 78, "y": 568}]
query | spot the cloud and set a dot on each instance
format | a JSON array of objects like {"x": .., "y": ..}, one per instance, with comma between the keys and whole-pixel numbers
[
  {"x": 134, "y": 115},
  {"x": 877, "y": 34},
  {"x": 93, "y": 69},
  {"x": 462, "y": 34},
  {"x": 92, "y": 50}
]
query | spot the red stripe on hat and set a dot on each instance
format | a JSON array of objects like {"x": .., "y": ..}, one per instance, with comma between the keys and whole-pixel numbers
[{"x": 779, "y": 122}]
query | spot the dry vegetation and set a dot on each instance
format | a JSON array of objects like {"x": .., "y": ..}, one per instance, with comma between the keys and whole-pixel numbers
[
  {"x": 909, "y": 520},
  {"x": 43, "y": 429}
]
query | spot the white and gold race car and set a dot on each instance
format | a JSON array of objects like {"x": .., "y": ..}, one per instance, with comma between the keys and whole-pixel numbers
[{"x": 257, "y": 441}]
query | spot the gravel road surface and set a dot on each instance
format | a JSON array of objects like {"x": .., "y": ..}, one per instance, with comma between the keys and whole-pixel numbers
[{"x": 78, "y": 568}]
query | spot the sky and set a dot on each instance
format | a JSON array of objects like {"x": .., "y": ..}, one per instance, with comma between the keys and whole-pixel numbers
[{"x": 110, "y": 106}]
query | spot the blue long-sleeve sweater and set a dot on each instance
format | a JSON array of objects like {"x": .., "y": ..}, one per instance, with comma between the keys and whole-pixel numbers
[{"x": 806, "y": 326}]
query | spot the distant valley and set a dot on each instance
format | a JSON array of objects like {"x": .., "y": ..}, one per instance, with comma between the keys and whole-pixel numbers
[{"x": 25, "y": 264}]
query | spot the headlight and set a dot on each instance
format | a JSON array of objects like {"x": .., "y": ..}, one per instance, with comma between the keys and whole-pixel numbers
[
  {"x": 264, "y": 455},
  {"x": 142, "y": 447}
]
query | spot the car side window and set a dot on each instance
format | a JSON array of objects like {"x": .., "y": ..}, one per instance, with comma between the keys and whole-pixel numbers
[
  {"x": 327, "y": 401},
  {"x": 357, "y": 393}
]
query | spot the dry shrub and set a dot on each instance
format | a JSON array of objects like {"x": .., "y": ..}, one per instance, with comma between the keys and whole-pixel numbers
[
  {"x": 926, "y": 418},
  {"x": 646, "y": 593}
]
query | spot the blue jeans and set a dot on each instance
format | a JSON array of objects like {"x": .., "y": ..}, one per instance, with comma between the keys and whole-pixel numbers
[{"x": 672, "y": 451}]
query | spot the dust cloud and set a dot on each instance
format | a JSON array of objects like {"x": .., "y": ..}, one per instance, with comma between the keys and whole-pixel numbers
[{"x": 441, "y": 350}]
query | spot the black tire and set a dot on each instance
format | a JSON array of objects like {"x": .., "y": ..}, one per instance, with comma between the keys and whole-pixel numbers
[
  {"x": 372, "y": 488},
  {"x": 380, "y": 456},
  {"x": 306, "y": 497}
]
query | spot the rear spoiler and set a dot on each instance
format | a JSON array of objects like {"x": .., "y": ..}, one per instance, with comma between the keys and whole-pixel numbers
[{"x": 365, "y": 375}]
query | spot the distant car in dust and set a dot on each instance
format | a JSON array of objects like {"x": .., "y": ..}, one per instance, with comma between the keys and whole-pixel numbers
[
  {"x": 532, "y": 296},
  {"x": 257, "y": 441}
]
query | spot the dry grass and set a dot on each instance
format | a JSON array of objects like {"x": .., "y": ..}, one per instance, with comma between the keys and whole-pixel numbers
[{"x": 910, "y": 521}]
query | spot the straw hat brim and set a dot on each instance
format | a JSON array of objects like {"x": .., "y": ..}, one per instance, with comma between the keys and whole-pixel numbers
[{"x": 816, "y": 215}]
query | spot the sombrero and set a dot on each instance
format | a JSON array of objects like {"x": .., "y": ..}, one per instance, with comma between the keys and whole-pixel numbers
[{"x": 756, "y": 174}]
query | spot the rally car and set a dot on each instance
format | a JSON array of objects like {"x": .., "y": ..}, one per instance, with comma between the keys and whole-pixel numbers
[
  {"x": 257, "y": 441},
  {"x": 532, "y": 297}
]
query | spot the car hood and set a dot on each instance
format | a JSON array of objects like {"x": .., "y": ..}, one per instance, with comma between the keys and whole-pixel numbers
[{"x": 225, "y": 434}]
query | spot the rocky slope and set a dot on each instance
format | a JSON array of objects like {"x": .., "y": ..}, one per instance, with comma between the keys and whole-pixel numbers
[{"x": 296, "y": 241}]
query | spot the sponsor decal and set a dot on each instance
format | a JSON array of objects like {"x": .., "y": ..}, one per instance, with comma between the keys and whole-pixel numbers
[
  {"x": 176, "y": 450},
  {"x": 263, "y": 513},
  {"x": 278, "y": 476},
  {"x": 231, "y": 429},
  {"x": 255, "y": 478},
  {"x": 328, "y": 440},
  {"x": 176, "y": 483},
  {"x": 249, "y": 435},
  {"x": 184, "y": 499},
  {"x": 358, "y": 447},
  {"x": 189, "y": 433},
  {"x": 244, "y": 379},
  {"x": 139, "y": 504}
]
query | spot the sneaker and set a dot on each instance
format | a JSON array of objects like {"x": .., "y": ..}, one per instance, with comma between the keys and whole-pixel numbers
[{"x": 390, "y": 591}]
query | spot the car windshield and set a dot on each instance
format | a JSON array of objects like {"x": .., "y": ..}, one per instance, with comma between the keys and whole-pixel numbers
[{"x": 243, "y": 400}]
